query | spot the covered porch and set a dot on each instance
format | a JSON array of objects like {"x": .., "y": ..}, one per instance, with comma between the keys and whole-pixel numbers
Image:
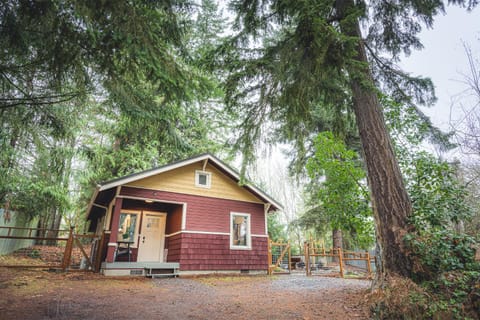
[{"x": 136, "y": 233}]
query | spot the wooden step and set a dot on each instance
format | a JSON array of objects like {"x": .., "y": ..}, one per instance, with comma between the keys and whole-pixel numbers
[
  {"x": 161, "y": 270},
  {"x": 154, "y": 273}
]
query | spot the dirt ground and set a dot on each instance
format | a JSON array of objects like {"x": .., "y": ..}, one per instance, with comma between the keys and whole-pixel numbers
[{"x": 40, "y": 294}]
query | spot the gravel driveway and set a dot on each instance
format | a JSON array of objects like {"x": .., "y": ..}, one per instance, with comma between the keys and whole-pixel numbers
[
  {"x": 277, "y": 297},
  {"x": 31, "y": 294}
]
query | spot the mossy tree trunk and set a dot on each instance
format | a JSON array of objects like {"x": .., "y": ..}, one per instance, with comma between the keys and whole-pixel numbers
[{"x": 390, "y": 201}]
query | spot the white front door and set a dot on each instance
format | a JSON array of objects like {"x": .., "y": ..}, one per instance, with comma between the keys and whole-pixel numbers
[{"x": 152, "y": 237}]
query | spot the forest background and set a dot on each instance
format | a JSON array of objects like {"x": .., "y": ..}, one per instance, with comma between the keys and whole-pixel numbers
[{"x": 96, "y": 90}]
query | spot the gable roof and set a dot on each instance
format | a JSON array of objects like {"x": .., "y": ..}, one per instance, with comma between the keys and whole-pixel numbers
[{"x": 234, "y": 175}]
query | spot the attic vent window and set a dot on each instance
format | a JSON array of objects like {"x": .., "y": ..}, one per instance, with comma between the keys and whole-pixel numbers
[{"x": 203, "y": 179}]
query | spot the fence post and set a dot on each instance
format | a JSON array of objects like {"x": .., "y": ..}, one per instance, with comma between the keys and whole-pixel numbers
[
  {"x": 306, "y": 251},
  {"x": 68, "y": 250},
  {"x": 289, "y": 257},
  {"x": 99, "y": 252},
  {"x": 369, "y": 267},
  {"x": 340, "y": 261},
  {"x": 270, "y": 259}
]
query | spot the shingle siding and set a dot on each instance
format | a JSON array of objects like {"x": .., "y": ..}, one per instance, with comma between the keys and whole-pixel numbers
[
  {"x": 205, "y": 213},
  {"x": 210, "y": 252}
]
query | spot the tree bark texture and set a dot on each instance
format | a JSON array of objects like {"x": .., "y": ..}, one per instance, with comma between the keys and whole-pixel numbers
[
  {"x": 337, "y": 239},
  {"x": 390, "y": 201}
]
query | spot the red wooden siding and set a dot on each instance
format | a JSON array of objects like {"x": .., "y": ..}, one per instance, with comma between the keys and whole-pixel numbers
[
  {"x": 197, "y": 252},
  {"x": 209, "y": 252},
  {"x": 205, "y": 213},
  {"x": 173, "y": 244},
  {"x": 174, "y": 220}
]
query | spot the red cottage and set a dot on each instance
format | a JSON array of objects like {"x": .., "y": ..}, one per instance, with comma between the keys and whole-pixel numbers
[{"x": 188, "y": 217}]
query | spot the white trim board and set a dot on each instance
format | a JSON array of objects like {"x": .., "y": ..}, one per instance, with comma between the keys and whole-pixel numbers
[
  {"x": 204, "y": 157},
  {"x": 211, "y": 232}
]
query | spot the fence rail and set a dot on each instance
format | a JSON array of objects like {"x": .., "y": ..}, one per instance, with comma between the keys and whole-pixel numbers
[
  {"x": 69, "y": 251},
  {"x": 279, "y": 257},
  {"x": 335, "y": 261}
]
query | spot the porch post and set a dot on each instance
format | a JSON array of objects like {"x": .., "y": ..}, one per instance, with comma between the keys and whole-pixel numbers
[{"x": 112, "y": 243}]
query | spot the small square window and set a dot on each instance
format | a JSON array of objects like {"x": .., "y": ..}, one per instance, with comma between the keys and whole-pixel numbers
[{"x": 203, "y": 179}]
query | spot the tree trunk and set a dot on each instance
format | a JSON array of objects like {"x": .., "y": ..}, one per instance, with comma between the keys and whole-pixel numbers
[
  {"x": 8, "y": 166},
  {"x": 56, "y": 220},
  {"x": 337, "y": 238},
  {"x": 41, "y": 229},
  {"x": 390, "y": 201}
]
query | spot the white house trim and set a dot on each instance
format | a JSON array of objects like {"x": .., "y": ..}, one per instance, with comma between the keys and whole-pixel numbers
[
  {"x": 184, "y": 216},
  {"x": 197, "y": 232},
  {"x": 209, "y": 232},
  {"x": 259, "y": 235},
  {"x": 205, "y": 158},
  {"x": 248, "y": 245}
]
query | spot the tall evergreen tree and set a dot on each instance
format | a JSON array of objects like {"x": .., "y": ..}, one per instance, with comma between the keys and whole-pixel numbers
[
  {"x": 38, "y": 149},
  {"x": 290, "y": 58},
  {"x": 141, "y": 87},
  {"x": 71, "y": 47},
  {"x": 165, "y": 130}
]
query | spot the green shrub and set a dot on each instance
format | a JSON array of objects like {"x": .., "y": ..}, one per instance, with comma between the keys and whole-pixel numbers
[
  {"x": 436, "y": 252},
  {"x": 454, "y": 295}
]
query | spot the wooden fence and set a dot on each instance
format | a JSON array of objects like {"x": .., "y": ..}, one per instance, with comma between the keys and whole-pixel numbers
[
  {"x": 54, "y": 249},
  {"x": 279, "y": 257},
  {"x": 338, "y": 259}
]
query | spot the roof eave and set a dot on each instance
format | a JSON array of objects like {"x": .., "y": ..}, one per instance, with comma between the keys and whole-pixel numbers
[
  {"x": 92, "y": 200},
  {"x": 122, "y": 181},
  {"x": 153, "y": 172}
]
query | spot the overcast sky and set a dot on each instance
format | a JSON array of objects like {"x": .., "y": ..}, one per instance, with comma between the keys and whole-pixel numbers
[{"x": 443, "y": 58}]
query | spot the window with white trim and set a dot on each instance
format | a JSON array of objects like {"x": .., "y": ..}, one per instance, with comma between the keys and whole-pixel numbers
[
  {"x": 240, "y": 236},
  {"x": 128, "y": 227},
  {"x": 203, "y": 179}
]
